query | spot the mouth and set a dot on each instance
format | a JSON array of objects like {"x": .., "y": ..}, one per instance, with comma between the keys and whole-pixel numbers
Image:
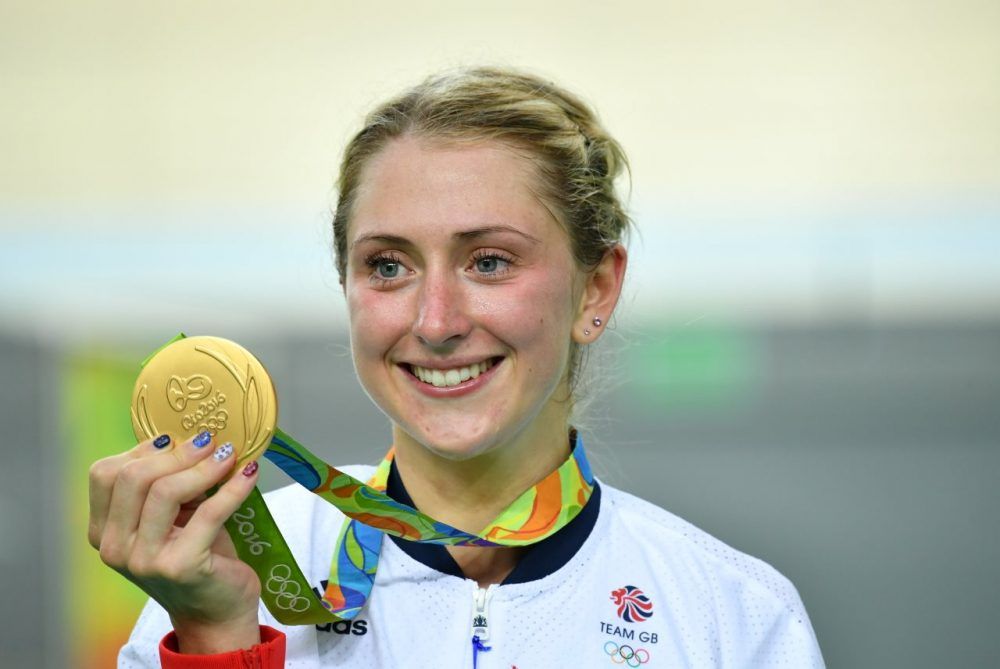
[{"x": 453, "y": 376}]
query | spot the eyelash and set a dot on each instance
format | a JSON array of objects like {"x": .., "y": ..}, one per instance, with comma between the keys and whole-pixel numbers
[
  {"x": 483, "y": 254},
  {"x": 373, "y": 260}
]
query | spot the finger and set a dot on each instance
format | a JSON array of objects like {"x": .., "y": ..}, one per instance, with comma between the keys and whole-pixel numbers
[
  {"x": 131, "y": 488},
  {"x": 168, "y": 495},
  {"x": 136, "y": 476},
  {"x": 187, "y": 510},
  {"x": 204, "y": 525},
  {"x": 102, "y": 477}
]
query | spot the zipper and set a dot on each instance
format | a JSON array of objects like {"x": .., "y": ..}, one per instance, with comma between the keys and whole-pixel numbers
[{"x": 480, "y": 622}]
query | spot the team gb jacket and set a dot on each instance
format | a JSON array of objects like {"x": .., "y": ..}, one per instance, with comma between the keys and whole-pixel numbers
[{"x": 624, "y": 584}]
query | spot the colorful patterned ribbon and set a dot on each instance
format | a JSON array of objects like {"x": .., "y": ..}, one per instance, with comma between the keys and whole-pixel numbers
[{"x": 537, "y": 514}]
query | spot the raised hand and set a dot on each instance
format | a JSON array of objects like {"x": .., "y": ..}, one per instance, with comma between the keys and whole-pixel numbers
[{"x": 152, "y": 521}]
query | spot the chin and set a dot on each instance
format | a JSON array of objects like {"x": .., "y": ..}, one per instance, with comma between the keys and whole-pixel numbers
[{"x": 456, "y": 445}]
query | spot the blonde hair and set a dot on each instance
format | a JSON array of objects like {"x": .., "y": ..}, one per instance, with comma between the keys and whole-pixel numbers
[{"x": 577, "y": 160}]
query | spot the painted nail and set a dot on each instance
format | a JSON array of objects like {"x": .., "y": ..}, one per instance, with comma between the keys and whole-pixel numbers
[
  {"x": 223, "y": 452},
  {"x": 162, "y": 441},
  {"x": 201, "y": 441},
  {"x": 250, "y": 469}
]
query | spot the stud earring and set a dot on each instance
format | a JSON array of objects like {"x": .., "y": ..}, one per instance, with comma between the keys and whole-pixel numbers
[
  {"x": 586, "y": 332},
  {"x": 597, "y": 321}
]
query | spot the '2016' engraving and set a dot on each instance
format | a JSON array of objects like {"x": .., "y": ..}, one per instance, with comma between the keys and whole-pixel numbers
[
  {"x": 208, "y": 415},
  {"x": 245, "y": 528}
]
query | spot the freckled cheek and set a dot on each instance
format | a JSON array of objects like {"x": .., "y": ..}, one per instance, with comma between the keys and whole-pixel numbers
[
  {"x": 376, "y": 323},
  {"x": 536, "y": 326},
  {"x": 538, "y": 310}
]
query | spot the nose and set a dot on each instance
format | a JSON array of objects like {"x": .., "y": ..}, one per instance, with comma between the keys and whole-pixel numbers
[{"x": 442, "y": 318}]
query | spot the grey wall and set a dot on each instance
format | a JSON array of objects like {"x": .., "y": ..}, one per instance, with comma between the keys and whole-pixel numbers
[
  {"x": 860, "y": 461},
  {"x": 30, "y": 525}
]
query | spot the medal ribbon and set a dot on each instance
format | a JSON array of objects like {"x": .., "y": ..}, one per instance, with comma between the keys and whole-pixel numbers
[{"x": 536, "y": 514}]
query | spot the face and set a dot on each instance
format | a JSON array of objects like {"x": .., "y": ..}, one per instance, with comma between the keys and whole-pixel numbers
[{"x": 462, "y": 293}]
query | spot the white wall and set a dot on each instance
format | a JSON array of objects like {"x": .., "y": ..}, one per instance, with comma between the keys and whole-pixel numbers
[{"x": 792, "y": 161}]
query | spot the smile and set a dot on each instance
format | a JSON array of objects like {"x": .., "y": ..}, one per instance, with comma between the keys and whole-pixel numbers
[{"x": 446, "y": 378}]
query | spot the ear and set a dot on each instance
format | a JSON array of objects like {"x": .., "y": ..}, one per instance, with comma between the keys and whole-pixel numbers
[{"x": 602, "y": 287}]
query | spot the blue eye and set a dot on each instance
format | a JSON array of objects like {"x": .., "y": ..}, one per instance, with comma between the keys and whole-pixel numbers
[
  {"x": 488, "y": 265},
  {"x": 491, "y": 264},
  {"x": 387, "y": 269}
]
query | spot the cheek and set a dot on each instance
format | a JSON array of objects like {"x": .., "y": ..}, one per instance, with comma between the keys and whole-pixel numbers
[
  {"x": 375, "y": 322},
  {"x": 536, "y": 317}
]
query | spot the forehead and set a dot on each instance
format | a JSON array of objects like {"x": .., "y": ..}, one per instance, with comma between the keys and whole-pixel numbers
[{"x": 415, "y": 184}]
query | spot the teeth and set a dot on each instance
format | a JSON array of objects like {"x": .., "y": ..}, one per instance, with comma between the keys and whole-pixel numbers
[{"x": 445, "y": 378}]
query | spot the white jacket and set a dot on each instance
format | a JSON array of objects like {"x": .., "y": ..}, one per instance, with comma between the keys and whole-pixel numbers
[{"x": 693, "y": 602}]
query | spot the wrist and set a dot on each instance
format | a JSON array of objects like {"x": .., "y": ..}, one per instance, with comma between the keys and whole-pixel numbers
[{"x": 211, "y": 638}]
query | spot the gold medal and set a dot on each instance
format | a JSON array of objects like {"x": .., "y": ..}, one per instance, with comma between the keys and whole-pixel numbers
[{"x": 206, "y": 383}]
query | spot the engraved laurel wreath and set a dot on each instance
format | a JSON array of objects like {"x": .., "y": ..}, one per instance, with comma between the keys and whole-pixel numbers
[{"x": 141, "y": 414}]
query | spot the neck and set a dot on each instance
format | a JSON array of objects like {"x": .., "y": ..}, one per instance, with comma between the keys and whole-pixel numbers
[
  {"x": 486, "y": 566},
  {"x": 470, "y": 493}
]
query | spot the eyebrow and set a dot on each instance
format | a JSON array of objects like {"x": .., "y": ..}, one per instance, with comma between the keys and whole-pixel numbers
[
  {"x": 376, "y": 237},
  {"x": 474, "y": 233},
  {"x": 490, "y": 229}
]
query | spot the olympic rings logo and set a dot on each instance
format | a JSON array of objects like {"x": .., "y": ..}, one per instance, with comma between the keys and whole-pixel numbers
[
  {"x": 625, "y": 654},
  {"x": 288, "y": 591}
]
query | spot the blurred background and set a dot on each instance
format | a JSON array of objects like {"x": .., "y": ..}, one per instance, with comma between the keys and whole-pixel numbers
[{"x": 806, "y": 362}]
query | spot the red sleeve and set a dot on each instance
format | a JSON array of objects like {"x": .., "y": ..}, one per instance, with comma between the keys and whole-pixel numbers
[{"x": 268, "y": 654}]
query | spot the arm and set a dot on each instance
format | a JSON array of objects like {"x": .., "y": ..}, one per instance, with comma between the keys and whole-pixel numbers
[{"x": 153, "y": 644}]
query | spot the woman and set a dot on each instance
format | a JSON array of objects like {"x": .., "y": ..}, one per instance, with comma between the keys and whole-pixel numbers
[{"x": 478, "y": 240}]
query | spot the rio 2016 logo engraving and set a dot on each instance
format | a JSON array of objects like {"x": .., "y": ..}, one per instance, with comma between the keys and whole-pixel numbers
[
  {"x": 289, "y": 594},
  {"x": 181, "y": 390},
  {"x": 211, "y": 417},
  {"x": 208, "y": 416},
  {"x": 246, "y": 530}
]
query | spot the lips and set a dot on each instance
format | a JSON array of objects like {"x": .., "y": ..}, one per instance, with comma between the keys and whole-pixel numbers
[{"x": 453, "y": 376}]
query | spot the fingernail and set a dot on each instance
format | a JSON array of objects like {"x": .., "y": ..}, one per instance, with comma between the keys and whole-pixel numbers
[
  {"x": 162, "y": 441},
  {"x": 223, "y": 452},
  {"x": 250, "y": 469},
  {"x": 202, "y": 439}
]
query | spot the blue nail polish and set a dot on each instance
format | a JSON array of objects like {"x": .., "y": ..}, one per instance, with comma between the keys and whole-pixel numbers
[
  {"x": 202, "y": 439},
  {"x": 162, "y": 441}
]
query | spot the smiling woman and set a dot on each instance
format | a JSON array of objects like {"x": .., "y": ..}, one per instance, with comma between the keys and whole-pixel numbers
[{"x": 479, "y": 237}]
